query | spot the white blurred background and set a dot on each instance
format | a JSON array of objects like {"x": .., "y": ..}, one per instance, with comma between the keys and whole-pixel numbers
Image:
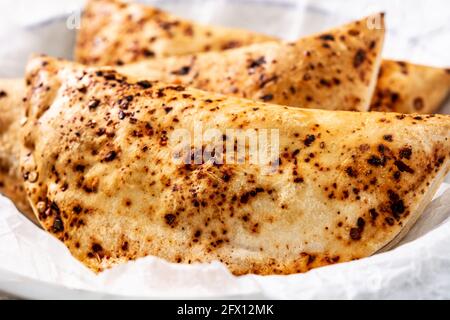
[{"x": 417, "y": 30}]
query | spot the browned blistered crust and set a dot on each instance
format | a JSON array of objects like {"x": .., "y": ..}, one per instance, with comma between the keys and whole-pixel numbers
[
  {"x": 105, "y": 39},
  {"x": 99, "y": 176},
  {"x": 11, "y": 112},
  {"x": 410, "y": 88},
  {"x": 335, "y": 70},
  {"x": 114, "y": 32}
]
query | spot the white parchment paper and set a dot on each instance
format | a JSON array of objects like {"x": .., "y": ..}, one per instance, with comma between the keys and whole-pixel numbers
[{"x": 35, "y": 265}]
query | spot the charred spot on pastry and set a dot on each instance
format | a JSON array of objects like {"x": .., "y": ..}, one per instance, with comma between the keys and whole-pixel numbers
[
  {"x": 96, "y": 247},
  {"x": 403, "y": 167},
  {"x": 231, "y": 45},
  {"x": 390, "y": 221},
  {"x": 359, "y": 58},
  {"x": 397, "y": 205},
  {"x": 93, "y": 104},
  {"x": 310, "y": 138},
  {"x": 299, "y": 180},
  {"x": 121, "y": 115},
  {"x": 188, "y": 31},
  {"x": 110, "y": 76},
  {"x": 77, "y": 209},
  {"x": 382, "y": 148},
  {"x": 148, "y": 53},
  {"x": 351, "y": 172},
  {"x": 144, "y": 84},
  {"x": 79, "y": 168},
  {"x": 405, "y": 152},
  {"x": 325, "y": 83},
  {"x": 353, "y": 32},
  {"x": 168, "y": 109},
  {"x": 90, "y": 186},
  {"x": 364, "y": 147},
  {"x": 376, "y": 161},
  {"x": 327, "y": 37},
  {"x": 58, "y": 225},
  {"x": 167, "y": 25},
  {"x": 267, "y": 97},
  {"x": 110, "y": 156},
  {"x": 360, "y": 223},
  {"x": 82, "y": 89},
  {"x": 163, "y": 140},
  {"x": 182, "y": 71},
  {"x": 292, "y": 90},
  {"x": 175, "y": 88},
  {"x": 257, "y": 62},
  {"x": 3, "y": 94},
  {"x": 388, "y": 137},
  {"x": 311, "y": 259},
  {"x": 226, "y": 177},
  {"x": 373, "y": 213},
  {"x": 418, "y": 103},
  {"x": 263, "y": 80},
  {"x": 394, "y": 96},
  {"x": 170, "y": 219},
  {"x": 403, "y": 67},
  {"x": 355, "y": 234},
  {"x": 244, "y": 198}
]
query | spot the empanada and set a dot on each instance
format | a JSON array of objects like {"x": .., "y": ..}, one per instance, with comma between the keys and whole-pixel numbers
[
  {"x": 12, "y": 92},
  {"x": 99, "y": 166},
  {"x": 335, "y": 70},
  {"x": 115, "y": 32},
  {"x": 410, "y": 88}
]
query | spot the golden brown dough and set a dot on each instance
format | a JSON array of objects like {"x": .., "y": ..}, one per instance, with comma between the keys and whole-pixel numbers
[
  {"x": 410, "y": 88},
  {"x": 11, "y": 112},
  {"x": 98, "y": 168},
  {"x": 105, "y": 39},
  {"x": 334, "y": 70},
  {"x": 115, "y": 32}
]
